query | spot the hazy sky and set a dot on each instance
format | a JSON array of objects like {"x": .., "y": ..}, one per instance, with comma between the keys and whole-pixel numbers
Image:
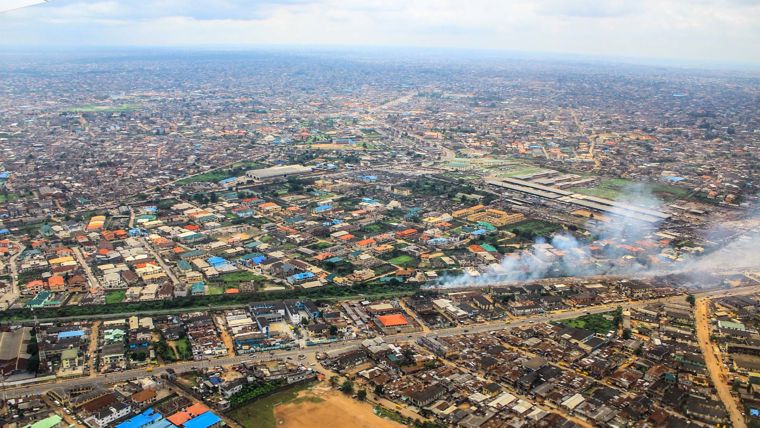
[{"x": 693, "y": 30}]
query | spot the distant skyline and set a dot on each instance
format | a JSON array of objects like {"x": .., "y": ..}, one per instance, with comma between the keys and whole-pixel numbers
[{"x": 690, "y": 31}]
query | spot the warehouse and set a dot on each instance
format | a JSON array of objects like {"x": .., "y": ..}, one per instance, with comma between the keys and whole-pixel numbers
[{"x": 277, "y": 171}]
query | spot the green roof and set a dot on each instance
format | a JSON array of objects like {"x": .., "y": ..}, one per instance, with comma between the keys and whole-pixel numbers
[
  {"x": 48, "y": 422},
  {"x": 488, "y": 247},
  {"x": 731, "y": 325}
]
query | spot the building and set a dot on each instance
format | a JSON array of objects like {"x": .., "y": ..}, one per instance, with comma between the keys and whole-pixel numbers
[
  {"x": 277, "y": 171},
  {"x": 53, "y": 421},
  {"x": 13, "y": 350}
]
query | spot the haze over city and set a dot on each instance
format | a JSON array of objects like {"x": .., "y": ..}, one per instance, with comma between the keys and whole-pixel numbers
[{"x": 701, "y": 32}]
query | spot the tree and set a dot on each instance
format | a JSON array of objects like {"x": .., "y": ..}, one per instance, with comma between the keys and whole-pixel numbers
[
  {"x": 691, "y": 299},
  {"x": 333, "y": 381},
  {"x": 378, "y": 390},
  {"x": 333, "y": 330},
  {"x": 408, "y": 354},
  {"x": 627, "y": 333},
  {"x": 361, "y": 395},
  {"x": 347, "y": 387},
  {"x": 618, "y": 317}
]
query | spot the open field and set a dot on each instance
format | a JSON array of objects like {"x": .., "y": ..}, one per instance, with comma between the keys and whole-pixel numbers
[
  {"x": 261, "y": 412},
  {"x": 598, "y": 323},
  {"x": 403, "y": 260},
  {"x": 533, "y": 228},
  {"x": 517, "y": 170},
  {"x": 235, "y": 278},
  {"x": 217, "y": 175},
  {"x": 10, "y": 197},
  {"x": 327, "y": 146},
  {"x": 325, "y": 407},
  {"x": 214, "y": 290},
  {"x": 613, "y": 188},
  {"x": 116, "y": 296},
  {"x": 93, "y": 108},
  {"x": 184, "y": 350}
]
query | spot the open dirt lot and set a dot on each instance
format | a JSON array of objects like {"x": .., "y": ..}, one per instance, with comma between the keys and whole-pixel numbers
[{"x": 324, "y": 407}]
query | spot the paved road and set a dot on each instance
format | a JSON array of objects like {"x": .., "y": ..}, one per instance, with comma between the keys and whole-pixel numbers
[
  {"x": 293, "y": 354},
  {"x": 95, "y": 286},
  {"x": 184, "y": 366},
  {"x": 160, "y": 261},
  {"x": 718, "y": 373}
]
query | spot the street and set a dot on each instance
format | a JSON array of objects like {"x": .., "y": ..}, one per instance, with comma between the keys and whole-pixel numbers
[
  {"x": 185, "y": 366},
  {"x": 718, "y": 373}
]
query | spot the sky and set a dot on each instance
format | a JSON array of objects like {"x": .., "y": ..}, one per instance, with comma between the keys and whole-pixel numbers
[{"x": 704, "y": 31}]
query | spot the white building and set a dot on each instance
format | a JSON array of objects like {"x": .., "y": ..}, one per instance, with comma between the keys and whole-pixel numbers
[{"x": 277, "y": 171}]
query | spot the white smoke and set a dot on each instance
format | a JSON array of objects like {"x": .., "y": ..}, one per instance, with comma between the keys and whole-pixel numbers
[
  {"x": 739, "y": 250},
  {"x": 608, "y": 250}
]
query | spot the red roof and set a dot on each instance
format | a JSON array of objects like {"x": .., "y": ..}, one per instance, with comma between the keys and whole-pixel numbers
[
  {"x": 406, "y": 232},
  {"x": 392, "y": 320}
]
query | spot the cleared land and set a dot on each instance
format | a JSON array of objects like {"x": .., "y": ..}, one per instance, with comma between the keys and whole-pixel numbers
[
  {"x": 261, "y": 412},
  {"x": 517, "y": 170},
  {"x": 613, "y": 188},
  {"x": 324, "y": 407},
  {"x": 116, "y": 296},
  {"x": 217, "y": 175},
  {"x": 10, "y": 197},
  {"x": 403, "y": 260},
  {"x": 533, "y": 228},
  {"x": 93, "y": 108},
  {"x": 598, "y": 323}
]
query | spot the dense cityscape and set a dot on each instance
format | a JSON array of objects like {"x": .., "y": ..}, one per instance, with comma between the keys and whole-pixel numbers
[{"x": 256, "y": 239}]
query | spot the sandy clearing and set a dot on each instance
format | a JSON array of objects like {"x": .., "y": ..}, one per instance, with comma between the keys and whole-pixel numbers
[{"x": 335, "y": 410}]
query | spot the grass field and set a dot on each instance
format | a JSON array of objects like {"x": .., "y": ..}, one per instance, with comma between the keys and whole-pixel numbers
[
  {"x": 516, "y": 170},
  {"x": 215, "y": 289},
  {"x": 597, "y": 323},
  {"x": 403, "y": 260},
  {"x": 116, "y": 296},
  {"x": 237, "y": 277},
  {"x": 207, "y": 177},
  {"x": 217, "y": 175},
  {"x": 10, "y": 197},
  {"x": 346, "y": 147},
  {"x": 184, "y": 349},
  {"x": 260, "y": 413},
  {"x": 534, "y": 228},
  {"x": 322, "y": 245},
  {"x": 93, "y": 108},
  {"x": 613, "y": 188}
]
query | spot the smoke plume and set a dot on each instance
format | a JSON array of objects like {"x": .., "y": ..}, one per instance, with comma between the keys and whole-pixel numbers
[{"x": 616, "y": 245}]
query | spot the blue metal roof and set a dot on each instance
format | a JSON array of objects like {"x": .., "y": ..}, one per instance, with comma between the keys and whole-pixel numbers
[
  {"x": 68, "y": 334},
  {"x": 204, "y": 420},
  {"x": 216, "y": 261},
  {"x": 141, "y": 420}
]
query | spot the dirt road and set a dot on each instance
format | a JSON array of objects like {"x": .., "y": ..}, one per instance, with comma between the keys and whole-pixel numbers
[{"x": 714, "y": 364}]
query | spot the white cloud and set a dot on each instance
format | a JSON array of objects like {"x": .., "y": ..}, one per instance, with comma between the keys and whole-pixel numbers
[{"x": 710, "y": 30}]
